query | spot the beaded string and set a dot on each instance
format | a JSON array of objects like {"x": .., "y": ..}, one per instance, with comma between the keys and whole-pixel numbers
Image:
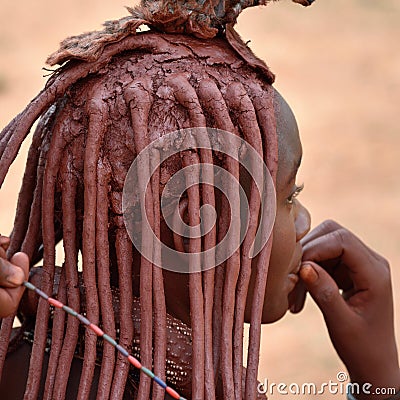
[{"x": 99, "y": 332}]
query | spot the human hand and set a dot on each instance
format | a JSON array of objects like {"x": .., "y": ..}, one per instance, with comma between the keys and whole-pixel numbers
[
  {"x": 12, "y": 275},
  {"x": 360, "y": 319}
]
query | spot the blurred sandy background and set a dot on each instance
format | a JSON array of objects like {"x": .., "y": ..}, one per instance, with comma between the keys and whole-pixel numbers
[{"x": 338, "y": 65}]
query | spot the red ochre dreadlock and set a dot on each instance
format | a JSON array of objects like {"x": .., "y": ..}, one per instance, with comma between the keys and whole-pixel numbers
[{"x": 116, "y": 92}]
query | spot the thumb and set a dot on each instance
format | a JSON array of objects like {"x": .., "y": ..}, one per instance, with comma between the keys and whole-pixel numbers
[
  {"x": 20, "y": 274},
  {"x": 325, "y": 292}
]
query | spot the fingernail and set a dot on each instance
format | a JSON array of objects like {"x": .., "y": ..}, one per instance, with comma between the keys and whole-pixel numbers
[
  {"x": 17, "y": 278},
  {"x": 308, "y": 273}
]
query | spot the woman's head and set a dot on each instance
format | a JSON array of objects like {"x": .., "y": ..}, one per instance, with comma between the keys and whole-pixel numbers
[
  {"x": 292, "y": 222},
  {"x": 97, "y": 116},
  {"x": 292, "y": 219}
]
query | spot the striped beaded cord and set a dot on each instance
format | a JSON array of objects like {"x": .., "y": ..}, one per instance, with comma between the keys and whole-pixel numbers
[{"x": 99, "y": 332}]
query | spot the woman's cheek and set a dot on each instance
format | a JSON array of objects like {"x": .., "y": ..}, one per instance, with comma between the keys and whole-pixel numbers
[
  {"x": 284, "y": 241},
  {"x": 283, "y": 248}
]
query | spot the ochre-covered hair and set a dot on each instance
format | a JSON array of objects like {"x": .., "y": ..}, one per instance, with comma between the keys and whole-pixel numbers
[{"x": 117, "y": 91}]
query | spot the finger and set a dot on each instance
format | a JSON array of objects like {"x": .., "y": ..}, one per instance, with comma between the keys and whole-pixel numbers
[
  {"x": 21, "y": 260},
  {"x": 358, "y": 258},
  {"x": 14, "y": 272},
  {"x": 338, "y": 271},
  {"x": 325, "y": 293},
  {"x": 322, "y": 229},
  {"x": 341, "y": 276},
  {"x": 9, "y": 300},
  {"x": 4, "y": 242},
  {"x": 326, "y": 227},
  {"x": 298, "y": 297}
]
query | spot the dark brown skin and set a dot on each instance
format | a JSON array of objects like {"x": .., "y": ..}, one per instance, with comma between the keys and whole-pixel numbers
[
  {"x": 360, "y": 322},
  {"x": 12, "y": 274}
]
